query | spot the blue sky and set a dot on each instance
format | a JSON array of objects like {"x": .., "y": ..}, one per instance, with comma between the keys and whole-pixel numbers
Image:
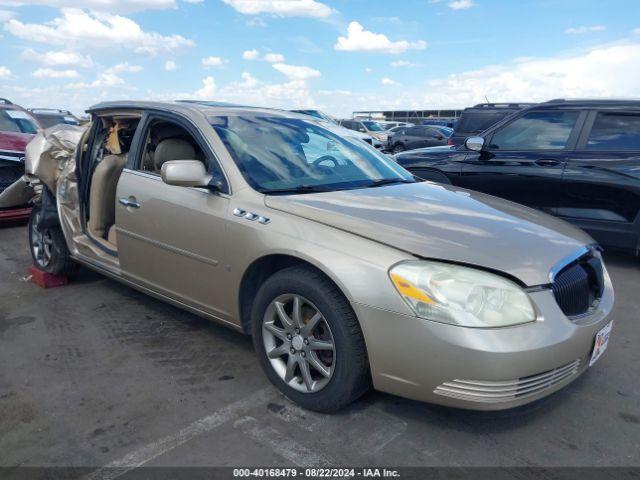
[{"x": 336, "y": 55}]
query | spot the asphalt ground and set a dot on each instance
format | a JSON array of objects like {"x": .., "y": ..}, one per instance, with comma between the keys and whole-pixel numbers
[{"x": 97, "y": 375}]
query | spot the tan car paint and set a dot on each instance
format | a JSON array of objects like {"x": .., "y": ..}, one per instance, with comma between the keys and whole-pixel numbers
[{"x": 186, "y": 246}]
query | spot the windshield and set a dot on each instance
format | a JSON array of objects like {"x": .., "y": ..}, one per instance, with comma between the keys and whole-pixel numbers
[
  {"x": 480, "y": 121},
  {"x": 17, "y": 121},
  {"x": 277, "y": 154},
  {"x": 373, "y": 126}
]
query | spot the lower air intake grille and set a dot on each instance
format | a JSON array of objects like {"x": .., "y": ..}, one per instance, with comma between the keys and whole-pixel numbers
[
  {"x": 579, "y": 285},
  {"x": 507, "y": 390}
]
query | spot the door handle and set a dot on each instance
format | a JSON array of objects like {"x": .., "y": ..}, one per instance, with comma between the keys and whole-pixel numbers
[
  {"x": 129, "y": 202},
  {"x": 547, "y": 162}
]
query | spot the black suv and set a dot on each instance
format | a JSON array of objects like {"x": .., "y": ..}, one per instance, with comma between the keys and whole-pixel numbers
[
  {"x": 477, "y": 119},
  {"x": 418, "y": 136},
  {"x": 576, "y": 159}
]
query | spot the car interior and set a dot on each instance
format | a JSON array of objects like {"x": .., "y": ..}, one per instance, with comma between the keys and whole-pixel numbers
[{"x": 164, "y": 141}]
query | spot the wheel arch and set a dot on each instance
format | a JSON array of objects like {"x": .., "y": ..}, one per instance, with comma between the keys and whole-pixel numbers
[
  {"x": 264, "y": 267},
  {"x": 430, "y": 174}
]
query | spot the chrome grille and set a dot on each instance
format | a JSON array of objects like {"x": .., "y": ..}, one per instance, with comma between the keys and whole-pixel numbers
[
  {"x": 504, "y": 391},
  {"x": 578, "y": 287}
]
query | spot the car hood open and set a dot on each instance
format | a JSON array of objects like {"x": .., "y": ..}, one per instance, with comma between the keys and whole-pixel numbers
[{"x": 448, "y": 223}]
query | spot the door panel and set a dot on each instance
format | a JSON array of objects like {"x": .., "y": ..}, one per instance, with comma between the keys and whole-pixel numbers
[
  {"x": 525, "y": 159},
  {"x": 174, "y": 240},
  {"x": 601, "y": 182},
  {"x": 528, "y": 178}
]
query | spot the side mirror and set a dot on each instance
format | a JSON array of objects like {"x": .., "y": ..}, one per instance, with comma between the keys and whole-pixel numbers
[
  {"x": 185, "y": 173},
  {"x": 474, "y": 143}
]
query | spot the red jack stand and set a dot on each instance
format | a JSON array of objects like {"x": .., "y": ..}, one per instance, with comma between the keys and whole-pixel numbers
[{"x": 46, "y": 280}]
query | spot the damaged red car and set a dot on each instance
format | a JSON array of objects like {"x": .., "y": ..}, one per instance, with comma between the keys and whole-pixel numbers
[{"x": 17, "y": 128}]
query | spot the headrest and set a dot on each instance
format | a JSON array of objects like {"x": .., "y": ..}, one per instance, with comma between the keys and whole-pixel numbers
[{"x": 173, "y": 149}]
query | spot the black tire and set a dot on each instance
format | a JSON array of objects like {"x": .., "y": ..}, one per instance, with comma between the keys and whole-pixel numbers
[
  {"x": 350, "y": 378},
  {"x": 398, "y": 148},
  {"x": 58, "y": 261}
]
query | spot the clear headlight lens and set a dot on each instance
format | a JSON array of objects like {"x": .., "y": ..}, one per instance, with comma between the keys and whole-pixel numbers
[{"x": 460, "y": 295}]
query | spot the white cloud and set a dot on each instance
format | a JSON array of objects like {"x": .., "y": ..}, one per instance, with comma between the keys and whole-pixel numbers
[
  {"x": 267, "y": 57},
  {"x": 273, "y": 57},
  {"x": 585, "y": 29},
  {"x": 208, "y": 89},
  {"x": 403, "y": 63},
  {"x": 461, "y": 4},
  {"x": 124, "y": 68},
  {"x": 80, "y": 29},
  {"x": 297, "y": 72},
  {"x": 6, "y": 15},
  {"x": 53, "y": 73},
  {"x": 250, "y": 54},
  {"x": 281, "y": 8},
  {"x": 4, "y": 72},
  {"x": 58, "y": 58},
  {"x": 387, "y": 81},
  {"x": 368, "y": 69},
  {"x": 213, "y": 61},
  {"x": 636, "y": 31},
  {"x": 605, "y": 71},
  {"x": 109, "y": 6},
  {"x": 249, "y": 81},
  {"x": 360, "y": 40},
  {"x": 170, "y": 65}
]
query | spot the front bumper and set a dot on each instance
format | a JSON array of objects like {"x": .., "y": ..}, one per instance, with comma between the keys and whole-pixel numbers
[{"x": 481, "y": 369}]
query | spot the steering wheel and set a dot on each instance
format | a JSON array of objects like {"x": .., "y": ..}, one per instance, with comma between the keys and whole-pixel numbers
[{"x": 325, "y": 158}]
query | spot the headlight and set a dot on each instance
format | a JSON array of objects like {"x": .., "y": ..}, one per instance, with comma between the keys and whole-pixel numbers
[{"x": 460, "y": 295}]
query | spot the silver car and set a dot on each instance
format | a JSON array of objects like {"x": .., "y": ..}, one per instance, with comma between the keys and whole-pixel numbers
[{"x": 346, "y": 271}]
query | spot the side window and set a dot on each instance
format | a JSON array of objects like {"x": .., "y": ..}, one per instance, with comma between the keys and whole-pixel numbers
[
  {"x": 413, "y": 131},
  {"x": 165, "y": 141},
  {"x": 615, "y": 131},
  {"x": 536, "y": 131},
  {"x": 360, "y": 127}
]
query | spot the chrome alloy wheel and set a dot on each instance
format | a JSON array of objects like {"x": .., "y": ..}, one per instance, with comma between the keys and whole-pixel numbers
[
  {"x": 41, "y": 243},
  {"x": 299, "y": 343}
]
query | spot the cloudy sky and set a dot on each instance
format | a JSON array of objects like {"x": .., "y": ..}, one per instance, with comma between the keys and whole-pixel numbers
[{"x": 336, "y": 55}]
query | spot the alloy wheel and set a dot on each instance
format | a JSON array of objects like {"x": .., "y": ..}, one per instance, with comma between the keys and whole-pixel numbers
[
  {"x": 41, "y": 243},
  {"x": 299, "y": 343}
]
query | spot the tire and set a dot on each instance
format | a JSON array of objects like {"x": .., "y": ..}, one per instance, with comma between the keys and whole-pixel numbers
[
  {"x": 398, "y": 148},
  {"x": 48, "y": 247},
  {"x": 348, "y": 364}
]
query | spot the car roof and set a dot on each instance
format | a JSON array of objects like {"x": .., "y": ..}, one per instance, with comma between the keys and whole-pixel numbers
[
  {"x": 190, "y": 106},
  {"x": 595, "y": 102}
]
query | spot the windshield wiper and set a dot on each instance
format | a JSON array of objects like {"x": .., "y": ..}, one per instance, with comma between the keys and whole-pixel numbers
[
  {"x": 387, "y": 181},
  {"x": 298, "y": 189}
]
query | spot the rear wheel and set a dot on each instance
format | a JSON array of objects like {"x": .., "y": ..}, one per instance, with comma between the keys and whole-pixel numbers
[
  {"x": 48, "y": 246},
  {"x": 308, "y": 340},
  {"x": 397, "y": 148}
]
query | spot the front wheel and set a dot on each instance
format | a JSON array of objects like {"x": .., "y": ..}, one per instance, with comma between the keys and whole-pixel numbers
[
  {"x": 308, "y": 340},
  {"x": 398, "y": 148},
  {"x": 48, "y": 247}
]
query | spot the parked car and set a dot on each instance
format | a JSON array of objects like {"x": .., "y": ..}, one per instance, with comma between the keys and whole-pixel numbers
[
  {"x": 475, "y": 120},
  {"x": 343, "y": 131},
  {"x": 367, "y": 126},
  {"x": 576, "y": 159},
  {"x": 442, "y": 122},
  {"x": 48, "y": 117},
  {"x": 418, "y": 136},
  {"x": 390, "y": 125},
  {"x": 345, "y": 270},
  {"x": 17, "y": 128}
]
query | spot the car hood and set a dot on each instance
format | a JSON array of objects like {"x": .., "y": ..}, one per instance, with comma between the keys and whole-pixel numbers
[
  {"x": 447, "y": 223},
  {"x": 14, "y": 141}
]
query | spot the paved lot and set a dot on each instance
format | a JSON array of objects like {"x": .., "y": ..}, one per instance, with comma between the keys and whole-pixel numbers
[{"x": 96, "y": 374}]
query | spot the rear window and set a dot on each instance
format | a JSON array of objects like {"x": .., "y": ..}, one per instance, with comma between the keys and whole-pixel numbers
[
  {"x": 615, "y": 131},
  {"x": 16, "y": 121},
  {"x": 476, "y": 122}
]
